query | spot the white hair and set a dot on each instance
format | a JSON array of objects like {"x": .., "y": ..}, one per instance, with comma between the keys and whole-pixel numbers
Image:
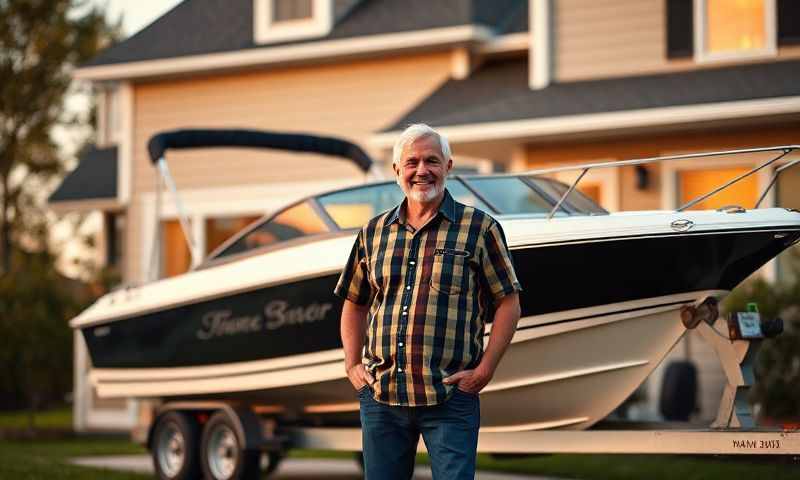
[{"x": 412, "y": 134}]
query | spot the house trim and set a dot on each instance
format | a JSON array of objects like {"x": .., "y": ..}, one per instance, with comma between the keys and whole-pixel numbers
[
  {"x": 325, "y": 49},
  {"x": 126, "y": 141},
  {"x": 541, "y": 51},
  {"x": 265, "y": 30},
  {"x": 88, "y": 205},
  {"x": 608, "y": 121}
]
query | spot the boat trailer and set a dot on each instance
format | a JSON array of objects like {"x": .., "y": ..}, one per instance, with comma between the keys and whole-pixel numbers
[{"x": 246, "y": 441}]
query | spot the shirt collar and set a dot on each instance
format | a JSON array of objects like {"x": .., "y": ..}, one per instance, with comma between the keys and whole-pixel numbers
[{"x": 447, "y": 208}]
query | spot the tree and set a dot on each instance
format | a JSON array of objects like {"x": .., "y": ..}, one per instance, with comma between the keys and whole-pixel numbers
[
  {"x": 41, "y": 41},
  {"x": 35, "y": 339}
]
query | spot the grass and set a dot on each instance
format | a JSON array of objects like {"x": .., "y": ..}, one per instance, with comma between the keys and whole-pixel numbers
[
  {"x": 60, "y": 418},
  {"x": 46, "y": 460}
]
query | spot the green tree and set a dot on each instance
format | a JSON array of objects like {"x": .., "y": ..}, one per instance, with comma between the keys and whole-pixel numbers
[
  {"x": 35, "y": 339},
  {"x": 41, "y": 41}
]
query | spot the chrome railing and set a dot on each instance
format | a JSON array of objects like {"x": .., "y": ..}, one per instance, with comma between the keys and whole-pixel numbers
[{"x": 585, "y": 168}]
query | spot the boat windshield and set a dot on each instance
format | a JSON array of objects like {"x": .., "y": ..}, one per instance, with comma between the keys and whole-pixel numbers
[
  {"x": 354, "y": 207},
  {"x": 294, "y": 222}
]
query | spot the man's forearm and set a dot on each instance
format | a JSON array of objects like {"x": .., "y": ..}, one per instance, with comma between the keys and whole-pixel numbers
[
  {"x": 353, "y": 330},
  {"x": 504, "y": 325}
]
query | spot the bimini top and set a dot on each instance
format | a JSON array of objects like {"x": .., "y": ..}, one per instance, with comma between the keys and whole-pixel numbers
[{"x": 205, "y": 138}]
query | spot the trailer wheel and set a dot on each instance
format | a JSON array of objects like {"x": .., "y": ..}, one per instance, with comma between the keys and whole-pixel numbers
[
  {"x": 174, "y": 447},
  {"x": 222, "y": 454}
]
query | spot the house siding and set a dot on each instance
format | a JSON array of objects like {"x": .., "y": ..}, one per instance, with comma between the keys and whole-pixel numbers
[
  {"x": 351, "y": 100},
  {"x": 614, "y": 38}
]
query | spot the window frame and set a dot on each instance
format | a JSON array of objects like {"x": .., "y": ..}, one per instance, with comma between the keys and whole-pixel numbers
[
  {"x": 701, "y": 54},
  {"x": 267, "y": 30}
]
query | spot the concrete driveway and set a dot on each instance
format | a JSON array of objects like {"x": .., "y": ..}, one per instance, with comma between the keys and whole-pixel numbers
[{"x": 290, "y": 469}]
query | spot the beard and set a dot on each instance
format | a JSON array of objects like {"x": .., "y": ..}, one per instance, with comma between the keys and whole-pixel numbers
[{"x": 421, "y": 196}]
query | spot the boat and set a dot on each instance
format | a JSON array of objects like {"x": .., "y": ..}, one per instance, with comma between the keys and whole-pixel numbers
[{"x": 257, "y": 322}]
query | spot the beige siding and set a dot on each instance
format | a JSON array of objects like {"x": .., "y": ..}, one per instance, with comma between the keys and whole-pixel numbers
[
  {"x": 598, "y": 38},
  {"x": 351, "y": 100},
  {"x": 610, "y": 38}
]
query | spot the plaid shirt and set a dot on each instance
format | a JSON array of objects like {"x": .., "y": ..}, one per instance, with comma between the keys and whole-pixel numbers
[{"x": 430, "y": 293}]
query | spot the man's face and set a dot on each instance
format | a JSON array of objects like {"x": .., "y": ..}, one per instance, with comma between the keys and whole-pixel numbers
[{"x": 422, "y": 170}]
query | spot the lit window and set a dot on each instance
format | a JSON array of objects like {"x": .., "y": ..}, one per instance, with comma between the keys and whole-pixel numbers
[
  {"x": 732, "y": 28},
  {"x": 220, "y": 229},
  {"x": 175, "y": 255},
  {"x": 694, "y": 183}
]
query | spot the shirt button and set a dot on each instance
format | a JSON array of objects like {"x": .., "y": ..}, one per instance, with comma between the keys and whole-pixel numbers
[
  {"x": 399, "y": 370},
  {"x": 408, "y": 287},
  {"x": 405, "y": 313},
  {"x": 405, "y": 307},
  {"x": 412, "y": 262},
  {"x": 400, "y": 344}
]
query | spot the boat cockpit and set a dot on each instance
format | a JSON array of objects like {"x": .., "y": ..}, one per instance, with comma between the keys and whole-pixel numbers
[{"x": 349, "y": 209}]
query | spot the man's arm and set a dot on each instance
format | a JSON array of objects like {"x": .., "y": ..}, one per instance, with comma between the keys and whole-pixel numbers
[
  {"x": 353, "y": 330},
  {"x": 504, "y": 325}
]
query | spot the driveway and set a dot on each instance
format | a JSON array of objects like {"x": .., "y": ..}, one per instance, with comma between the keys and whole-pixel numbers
[{"x": 290, "y": 469}]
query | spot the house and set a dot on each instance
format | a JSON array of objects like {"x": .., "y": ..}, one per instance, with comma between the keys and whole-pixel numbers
[{"x": 514, "y": 84}]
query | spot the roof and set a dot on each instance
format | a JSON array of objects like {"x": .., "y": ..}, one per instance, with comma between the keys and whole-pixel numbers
[
  {"x": 506, "y": 95},
  {"x": 198, "y": 27},
  {"x": 95, "y": 177}
]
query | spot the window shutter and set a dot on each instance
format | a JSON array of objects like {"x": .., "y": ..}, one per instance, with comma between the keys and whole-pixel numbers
[
  {"x": 788, "y": 22},
  {"x": 680, "y": 28}
]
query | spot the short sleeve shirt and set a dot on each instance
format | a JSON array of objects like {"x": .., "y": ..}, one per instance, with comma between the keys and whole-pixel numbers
[{"x": 430, "y": 293}]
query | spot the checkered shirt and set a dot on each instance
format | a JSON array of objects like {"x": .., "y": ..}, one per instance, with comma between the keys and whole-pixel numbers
[{"x": 430, "y": 293}]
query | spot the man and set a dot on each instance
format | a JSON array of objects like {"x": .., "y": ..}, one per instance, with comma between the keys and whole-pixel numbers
[{"x": 421, "y": 281}]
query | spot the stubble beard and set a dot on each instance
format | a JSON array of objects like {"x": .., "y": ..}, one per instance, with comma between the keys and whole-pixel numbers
[{"x": 422, "y": 196}]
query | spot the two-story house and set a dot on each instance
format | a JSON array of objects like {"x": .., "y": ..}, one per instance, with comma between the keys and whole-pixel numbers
[{"x": 514, "y": 84}]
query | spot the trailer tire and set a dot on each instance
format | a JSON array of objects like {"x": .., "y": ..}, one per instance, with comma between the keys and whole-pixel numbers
[
  {"x": 222, "y": 452},
  {"x": 679, "y": 391},
  {"x": 174, "y": 447},
  {"x": 270, "y": 462}
]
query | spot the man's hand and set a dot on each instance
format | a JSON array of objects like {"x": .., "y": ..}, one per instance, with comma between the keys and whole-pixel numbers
[
  {"x": 359, "y": 376},
  {"x": 470, "y": 381}
]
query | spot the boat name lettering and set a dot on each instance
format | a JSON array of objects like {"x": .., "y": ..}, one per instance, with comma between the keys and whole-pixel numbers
[
  {"x": 278, "y": 314},
  {"x": 220, "y": 323}
]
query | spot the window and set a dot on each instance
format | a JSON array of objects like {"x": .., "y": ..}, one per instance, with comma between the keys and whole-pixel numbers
[
  {"x": 353, "y": 208},
  {"x": 287, "y": 20},
  {"x": 295, "y": 222},
  {"x": 461, "y": 194},
  {"x": 584, "y": 200},
  {"x": 218, "y": 230},
  {"x": 175, "y": 255},
  {"x": 694, "y": 183},
  {"x": 509, "y": 195},
  {"x": 287, "y": 10},
  {"x": 734, "y": 28}
]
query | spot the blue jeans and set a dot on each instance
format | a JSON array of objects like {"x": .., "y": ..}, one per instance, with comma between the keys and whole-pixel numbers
[{"x": 390, "y": 435}]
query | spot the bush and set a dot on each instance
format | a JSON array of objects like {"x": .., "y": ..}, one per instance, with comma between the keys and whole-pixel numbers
[
  {"x": 777, "y": 388},
  {"x": 35, "y": 340}
]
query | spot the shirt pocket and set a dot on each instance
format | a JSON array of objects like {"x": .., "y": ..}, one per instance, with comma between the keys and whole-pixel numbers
[{"x": 450, "y": 272}]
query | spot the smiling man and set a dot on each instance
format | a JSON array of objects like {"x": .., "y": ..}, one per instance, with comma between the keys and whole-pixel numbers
[{"x": 421, "y": 283}]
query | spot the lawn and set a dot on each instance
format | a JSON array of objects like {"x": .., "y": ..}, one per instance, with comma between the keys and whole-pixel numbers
[{"x": 47, "y": 459}]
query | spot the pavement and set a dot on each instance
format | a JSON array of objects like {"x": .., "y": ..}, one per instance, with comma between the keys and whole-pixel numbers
[{"x": 290, "y": 469}]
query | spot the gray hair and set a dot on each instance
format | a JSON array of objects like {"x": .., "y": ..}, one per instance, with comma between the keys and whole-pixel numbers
[{"x": 415, "y": 132}]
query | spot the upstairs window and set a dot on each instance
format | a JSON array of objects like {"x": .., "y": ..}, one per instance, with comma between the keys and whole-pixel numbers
[
  {"x": 736, "y": 27},
  {"x": 287, "y": 20},
  {"x": 288, "y": 10},
  {"x": 712, "y": 30}
]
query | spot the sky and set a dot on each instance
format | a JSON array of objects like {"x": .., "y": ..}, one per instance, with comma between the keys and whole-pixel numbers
[{"x": 137, "y": 14}]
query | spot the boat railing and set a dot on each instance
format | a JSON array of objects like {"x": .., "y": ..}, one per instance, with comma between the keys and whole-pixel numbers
[{"x": 585, "y": 168}]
